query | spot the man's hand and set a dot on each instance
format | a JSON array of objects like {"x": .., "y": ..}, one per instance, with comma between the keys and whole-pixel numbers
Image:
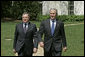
[
  {"x": 35, "y": 50},
  {"x": 64, "y": 49},
  {"x": 14, "y": 50},
  {"x": 41, "y": 44}
]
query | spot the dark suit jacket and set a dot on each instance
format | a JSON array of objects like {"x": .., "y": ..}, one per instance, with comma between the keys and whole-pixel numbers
[
  {"x": 25, "y": 39},
  {"x": 57, "y": 40}
]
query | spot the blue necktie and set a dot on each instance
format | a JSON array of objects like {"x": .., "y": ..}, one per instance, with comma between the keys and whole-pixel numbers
[{"x": 52, "y": 29}]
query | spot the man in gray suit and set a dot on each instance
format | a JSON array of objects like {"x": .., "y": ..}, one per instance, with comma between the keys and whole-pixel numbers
[
  {"x": 54, "y": 35},
  {"x": 25, "y": 32}
]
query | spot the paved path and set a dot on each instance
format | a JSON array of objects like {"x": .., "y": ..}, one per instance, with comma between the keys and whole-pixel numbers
[
  {"x": 73, "y": 24},
  {"x": 40, "y": 52}
]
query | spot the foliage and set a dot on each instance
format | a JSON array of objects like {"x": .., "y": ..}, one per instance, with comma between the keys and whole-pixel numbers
[
  {"x": 14, "y": 9},
  {"x": 69, "y": 18}
]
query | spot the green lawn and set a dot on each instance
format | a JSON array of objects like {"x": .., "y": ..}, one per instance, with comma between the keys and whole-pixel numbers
[
  {"x": 75, "y": 40},
  {"x": 74, "y": 35}
]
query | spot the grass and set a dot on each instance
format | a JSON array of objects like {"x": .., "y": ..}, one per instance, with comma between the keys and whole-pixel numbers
[
  {"x": 7, "y": 32},
  {"x": 74, "y": 35},
  {"x": 75, "y": 40}
]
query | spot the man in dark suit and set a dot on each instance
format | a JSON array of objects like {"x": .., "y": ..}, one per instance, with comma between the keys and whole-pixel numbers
[
  {"x": 54, "y": 35},
  {"x": 25, "y": 40}
]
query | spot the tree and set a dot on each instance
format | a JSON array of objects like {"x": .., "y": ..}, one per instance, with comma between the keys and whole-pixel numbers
[{"x": 14, "y": 9}]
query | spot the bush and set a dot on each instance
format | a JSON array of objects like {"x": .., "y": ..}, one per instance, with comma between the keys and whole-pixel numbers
[
  {"x": 41, "y": 17},
  {"x": 70, "y": 18}
]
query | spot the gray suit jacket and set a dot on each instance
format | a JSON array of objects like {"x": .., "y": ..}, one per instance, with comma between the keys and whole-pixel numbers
[
  {"x": 57, "y": 40},
  {"x": 21, "y": 38}
]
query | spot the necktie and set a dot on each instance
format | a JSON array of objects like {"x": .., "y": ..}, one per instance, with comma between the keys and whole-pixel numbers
[
  {"x": 52, "y": 29},
  {"x": 25, "y": 28}
]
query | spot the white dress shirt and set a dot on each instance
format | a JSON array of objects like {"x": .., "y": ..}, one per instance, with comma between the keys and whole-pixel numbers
[
  {"x": 51, "y": 23},
  {"x": 26, "y": 25}
]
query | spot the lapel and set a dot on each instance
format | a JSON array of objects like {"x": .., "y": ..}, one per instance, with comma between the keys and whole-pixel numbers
[
  {"x": 48, "y": 24},
  {"x": 29, "y": 26},
  {"x": 22, "y": 29}
]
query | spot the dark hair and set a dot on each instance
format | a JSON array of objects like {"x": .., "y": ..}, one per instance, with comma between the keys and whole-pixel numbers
[{"x": 26, "y": 13}]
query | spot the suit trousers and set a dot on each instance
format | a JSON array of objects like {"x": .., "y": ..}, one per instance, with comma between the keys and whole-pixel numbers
[
  {"x": 24, "y": 52},
  {"x": 52, "y": 52}
]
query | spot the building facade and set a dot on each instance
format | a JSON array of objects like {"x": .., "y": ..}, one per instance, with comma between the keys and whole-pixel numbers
[{"x": 64, "y": 7}]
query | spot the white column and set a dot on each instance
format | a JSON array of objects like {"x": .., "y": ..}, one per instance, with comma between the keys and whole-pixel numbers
[
  {"x": 64, "y": 7},
  {"x": 79, "y": 7}
]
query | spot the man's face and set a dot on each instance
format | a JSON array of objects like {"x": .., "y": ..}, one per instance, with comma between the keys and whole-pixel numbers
[
  {"x": 25, "y": 18},
  {"x": 52, "y": 14}
]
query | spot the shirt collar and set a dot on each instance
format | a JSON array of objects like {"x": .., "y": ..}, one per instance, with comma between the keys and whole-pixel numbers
[
  {"x": 52, "y": 20},
  {"x": 26, "y": 23}
]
